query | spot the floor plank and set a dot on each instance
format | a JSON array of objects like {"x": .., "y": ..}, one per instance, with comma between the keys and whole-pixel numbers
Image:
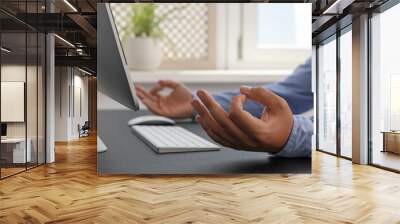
[{"x": 70, "y": 191}]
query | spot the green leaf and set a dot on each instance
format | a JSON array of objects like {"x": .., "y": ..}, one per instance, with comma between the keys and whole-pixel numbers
[{"x": 145, "y": 21}]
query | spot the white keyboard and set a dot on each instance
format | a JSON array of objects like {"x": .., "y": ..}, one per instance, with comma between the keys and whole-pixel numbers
[{"x": 167, "y": 139}]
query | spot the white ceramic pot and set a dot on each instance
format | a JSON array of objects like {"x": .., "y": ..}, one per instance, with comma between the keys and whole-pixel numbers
[{"x": 143, "y": 53}]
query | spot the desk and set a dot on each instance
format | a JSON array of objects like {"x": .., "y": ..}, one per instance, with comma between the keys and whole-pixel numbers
[
  {"x": 18, "y": 150},
  {"x": 391, "y": 141},
  {"x": 127, "y": 154}
]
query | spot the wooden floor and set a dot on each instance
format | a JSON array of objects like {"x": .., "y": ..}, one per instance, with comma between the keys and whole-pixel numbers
[
  {"x": 9, "y": 171},
  {"x": 70, "y": 191},
  {"x": 387, "y": 159},
  {"x": 5, "y": 172}
]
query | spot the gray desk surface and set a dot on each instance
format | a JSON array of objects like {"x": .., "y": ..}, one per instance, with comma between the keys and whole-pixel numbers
[{"x": 127, "y": 154}]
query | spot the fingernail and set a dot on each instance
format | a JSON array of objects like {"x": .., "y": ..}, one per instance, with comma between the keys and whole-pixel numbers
[
  {"x": 200, "y": 93},
  {"x": 245, "y": 89}
]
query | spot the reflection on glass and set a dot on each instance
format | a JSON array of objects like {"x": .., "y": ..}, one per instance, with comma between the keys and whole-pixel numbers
[
  {"x": 14, "y": 153},
  {"x": 327, "y": 97},
  {"x": 385, "y": 84},
  {"x": 346, "y": 94}
]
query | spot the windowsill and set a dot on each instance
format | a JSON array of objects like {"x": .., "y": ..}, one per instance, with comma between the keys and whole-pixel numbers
[{"x": 212, "y": 76}]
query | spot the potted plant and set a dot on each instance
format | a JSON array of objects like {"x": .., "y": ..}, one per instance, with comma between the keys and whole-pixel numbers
[{"x": 143, "y": 36}]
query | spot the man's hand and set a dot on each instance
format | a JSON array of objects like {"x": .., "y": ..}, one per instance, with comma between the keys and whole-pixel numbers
[
  {"x": 175, "y": 105},
  {"x": 239, "y": 129}
]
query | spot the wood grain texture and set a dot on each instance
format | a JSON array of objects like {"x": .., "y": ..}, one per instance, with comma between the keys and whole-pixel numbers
[{"x": 70, "y": 191}]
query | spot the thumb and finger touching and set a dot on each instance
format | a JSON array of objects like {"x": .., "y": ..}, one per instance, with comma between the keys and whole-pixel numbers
[
  {"x": 243, "y": 119},
  {"x": 264, "y": 96},
  {"x": 169, "y": 83}
]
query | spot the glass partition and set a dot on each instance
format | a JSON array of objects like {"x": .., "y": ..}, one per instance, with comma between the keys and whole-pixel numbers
[
  {"x": 35, "y": 89},
  {"x": 327, "y": 96},
  {"x": 14, "y": 153},
  {"x": 23, "y": 89},
  {"x": 31, "y": 99},
  {"x": 385, "y": 89}
]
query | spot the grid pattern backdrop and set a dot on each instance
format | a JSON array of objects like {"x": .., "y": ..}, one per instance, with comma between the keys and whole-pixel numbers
[{"x": 186, "y": 30}]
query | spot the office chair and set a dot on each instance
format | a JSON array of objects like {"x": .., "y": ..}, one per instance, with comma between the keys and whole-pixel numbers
[{"x": 84, "y": 130}]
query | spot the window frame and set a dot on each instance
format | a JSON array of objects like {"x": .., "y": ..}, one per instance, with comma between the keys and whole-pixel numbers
[
  {"x": 242, "y": 52},
  {"x": 337, "y": 38},
  {"x": 344, "y": 31},
  {"x": 225, "y": 51}
]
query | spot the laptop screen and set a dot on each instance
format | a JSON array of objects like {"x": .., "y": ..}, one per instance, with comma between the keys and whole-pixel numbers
[
  {"x": 114, "y": 79},
  {"x": 118, "y": 35}
]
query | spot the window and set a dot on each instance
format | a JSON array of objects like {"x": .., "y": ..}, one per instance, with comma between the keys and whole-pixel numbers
[
  {"x": 230, "y": 36},
  {"x": 189, "y": 40},
  {"x": 266, "y": 41},
  {"x": 385, "y": 89},
  {"x": 346, "y": 94},
  {"x": 327, "y": 97},
  {"x": 334, "y": 120}
]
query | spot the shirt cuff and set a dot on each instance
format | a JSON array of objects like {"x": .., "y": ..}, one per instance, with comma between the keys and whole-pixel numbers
[{"x": 299, "y": 143}]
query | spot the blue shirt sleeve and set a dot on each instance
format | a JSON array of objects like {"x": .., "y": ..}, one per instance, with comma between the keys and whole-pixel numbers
[
  {"x": 299, "y": 142},
  {"x": 296, "y": 90}
]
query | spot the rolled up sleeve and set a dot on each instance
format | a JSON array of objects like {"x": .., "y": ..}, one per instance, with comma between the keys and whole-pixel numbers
[{"x": 299, "y": 143}]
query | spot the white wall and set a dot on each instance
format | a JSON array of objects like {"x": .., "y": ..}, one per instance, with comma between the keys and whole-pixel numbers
[
  {"x": 69, "y": 82},
  {"x": 79, "y": 117},
  {"x": 33, "y": 125},
  {"x": 17, "y": 73},
  {"x": 62, "y": 81},
  {"x": 14, "y": 73}
]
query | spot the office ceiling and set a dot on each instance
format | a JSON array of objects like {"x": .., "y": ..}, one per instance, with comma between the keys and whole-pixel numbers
[
  {"x": 22, "y": 49},
  {"x": 76, "y": 24}
]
